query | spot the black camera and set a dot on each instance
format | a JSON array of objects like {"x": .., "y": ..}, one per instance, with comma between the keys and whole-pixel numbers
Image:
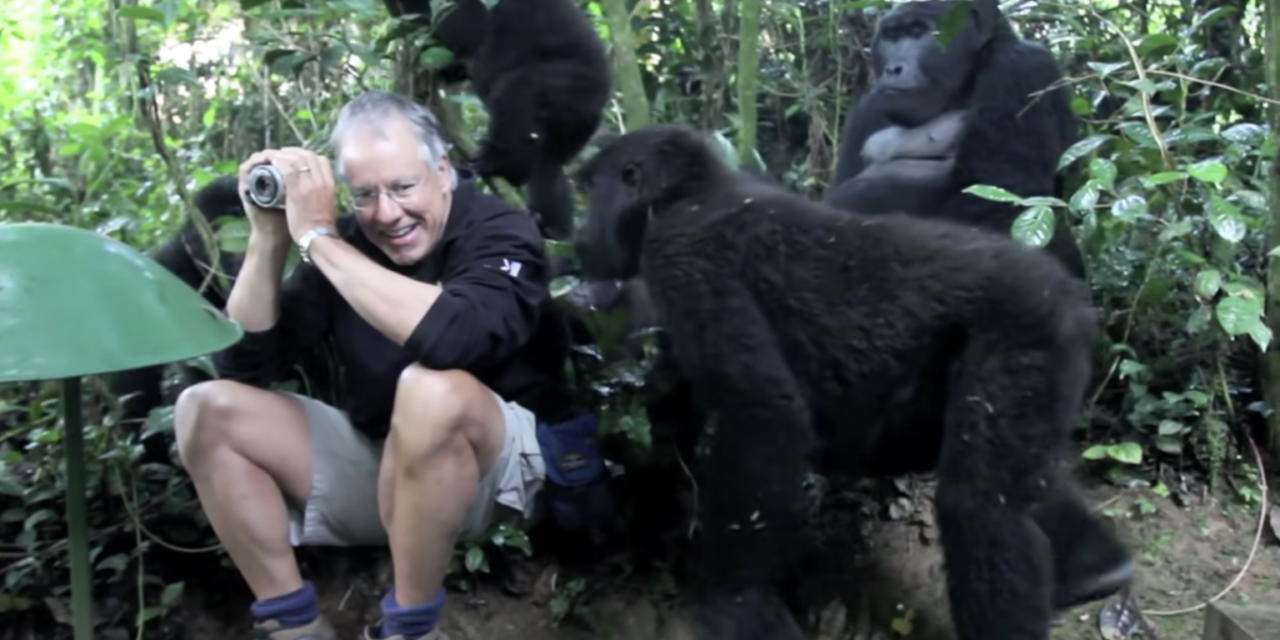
[{"x": 266, "y": 187}]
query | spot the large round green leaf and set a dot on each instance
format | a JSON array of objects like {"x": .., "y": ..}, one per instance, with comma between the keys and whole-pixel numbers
[{"x": 75, "y": 303}]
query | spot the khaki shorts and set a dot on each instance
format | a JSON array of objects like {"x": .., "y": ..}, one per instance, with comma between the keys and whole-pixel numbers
[{"x": 343, "y": 507}]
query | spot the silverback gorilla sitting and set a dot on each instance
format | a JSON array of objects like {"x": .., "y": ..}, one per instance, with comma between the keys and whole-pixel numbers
[
  {"x": 871, "y": 345},
  {"x": 977, "y": 98},
  {"x": 544, "y": 77}
]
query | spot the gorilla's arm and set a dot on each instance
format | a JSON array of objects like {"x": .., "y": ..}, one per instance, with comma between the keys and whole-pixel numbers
[
  {"x": 864, "y": 119},
  {"x": 1013, "y": 140},
  {"x": 757, "y": 458}
]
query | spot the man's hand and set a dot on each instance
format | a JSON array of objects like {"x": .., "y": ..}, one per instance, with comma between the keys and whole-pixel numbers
[
  {"x": 265, "y": 224},
  {"x": 309, "y": 189}
]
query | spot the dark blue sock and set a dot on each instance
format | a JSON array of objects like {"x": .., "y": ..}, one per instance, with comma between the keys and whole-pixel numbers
[
  {"x": 411, "y": 622},
  {"x": 290, "y": 610}
]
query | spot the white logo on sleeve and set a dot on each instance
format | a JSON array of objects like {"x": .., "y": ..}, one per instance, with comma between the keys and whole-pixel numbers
[{"x": 511, "y": 267}]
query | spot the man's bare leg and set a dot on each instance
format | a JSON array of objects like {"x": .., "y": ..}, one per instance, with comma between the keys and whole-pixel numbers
[
  {"x": 446, "y": 432},
  {"x": 243, "y": 447}
]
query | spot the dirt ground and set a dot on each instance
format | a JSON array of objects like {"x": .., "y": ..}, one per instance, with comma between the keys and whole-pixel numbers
[{"x": 1186, "y": 554}]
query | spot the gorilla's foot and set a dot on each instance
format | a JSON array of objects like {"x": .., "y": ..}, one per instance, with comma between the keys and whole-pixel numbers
[
  {"x": 751, "y": 614},
  {"x": 1095, "y": 585}
]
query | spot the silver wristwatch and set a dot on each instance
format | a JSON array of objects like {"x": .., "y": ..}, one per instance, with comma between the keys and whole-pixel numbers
[{"x": 304, "y": 243}]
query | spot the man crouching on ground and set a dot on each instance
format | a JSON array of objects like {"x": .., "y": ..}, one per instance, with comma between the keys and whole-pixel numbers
[{"x": 434, "y": 295}]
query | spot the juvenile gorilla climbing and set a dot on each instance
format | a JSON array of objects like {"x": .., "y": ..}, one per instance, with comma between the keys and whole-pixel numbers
[
  {"x": 544, "y": 77},
  {"x": 869, "y": 345},
  {"x": 976, "y": 98}
]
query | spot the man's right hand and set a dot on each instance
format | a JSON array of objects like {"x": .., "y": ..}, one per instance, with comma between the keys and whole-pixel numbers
[{"x": 267, "y": 224}]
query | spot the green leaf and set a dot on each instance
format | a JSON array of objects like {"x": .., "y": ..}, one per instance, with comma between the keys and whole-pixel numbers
[
  {"x": 1260, "y": 333},
  {"x": 1104, "y": 171},
  {"x": 1226, "y": 219},
  {"x": 1171, "y": 446},
  {"x": 1208, "y": 282},
  {"x": 1130, "y": 368},
  {"x": 1086, "y": 197},
  {"x": 1171, "y": 428},
  {"x": 1210, "y": 171},
  {"x": 474, "y": 559},
  {"x": 1157, "y": 45},
  {"x": 1083, "y": 148},
  {"x": 992, "y": 193},
  {"x": 232, "y": 234},
  {"x": 1164, "y": 177},
  {"x": 1096, "y": 452},
  {"x": 435, "y": 58},
  {"x": 1126, "y": 452},
  {"x": 1129, "y": 208},
  {"x": 1238, "y": 314},
  {"x": 171, "y": 594},
  {"x": 1034, "y": 227}
]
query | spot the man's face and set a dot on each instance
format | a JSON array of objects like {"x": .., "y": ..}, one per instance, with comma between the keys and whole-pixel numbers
[{"x": 402, "y": 203}]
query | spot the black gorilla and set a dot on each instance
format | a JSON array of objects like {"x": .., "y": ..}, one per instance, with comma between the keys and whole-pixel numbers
[
  {"x": 544, "y": 78},
  {"x": 975, "y": 99},
  {"x": 185, "y": 256},
  {"x": 870, "y": 345}
]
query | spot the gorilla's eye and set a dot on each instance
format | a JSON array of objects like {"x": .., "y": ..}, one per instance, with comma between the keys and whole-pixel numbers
[{"x": 630, "y": 175}]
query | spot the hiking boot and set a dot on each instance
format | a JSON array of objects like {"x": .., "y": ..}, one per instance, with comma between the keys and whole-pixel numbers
[
  {"x": 372, "y": 632},
  {"x": 318, "y": 629}
]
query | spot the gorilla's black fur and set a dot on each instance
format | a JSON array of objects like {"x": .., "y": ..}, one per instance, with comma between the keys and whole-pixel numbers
[
  {"x": 870, "y": 345},
  {"x": 1010, "y": 138},
  {"x": 544, "y": 78}
]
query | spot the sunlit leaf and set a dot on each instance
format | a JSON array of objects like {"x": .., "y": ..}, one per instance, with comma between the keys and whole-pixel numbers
[
  {"x": 1126, "y": 452},
  {"x": 1226, "y": 219},
  {"x": 1034, "y": 227},
  {"x": 1164, "y": 177},
  {"x": 1129, "y": 208},
  {"x": 1083, "y": 148},
  {"x": 1095, "y": 452},
  {"x": 992, "y": 193},
  {"x": 1238, "y": 314},
  {"x": 1210, "y": 171},
  {"x": 1086, "y": 197}
]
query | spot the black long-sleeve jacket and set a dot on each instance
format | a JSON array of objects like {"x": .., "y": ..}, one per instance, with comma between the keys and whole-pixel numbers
[{"x": 494, "y": 319}]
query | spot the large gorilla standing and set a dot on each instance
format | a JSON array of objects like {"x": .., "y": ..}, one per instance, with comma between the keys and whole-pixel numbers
[
  {"x": 873, "y": 345},
  {"x": 544, "y": 78},
  {"x": 938, "y": 121}
]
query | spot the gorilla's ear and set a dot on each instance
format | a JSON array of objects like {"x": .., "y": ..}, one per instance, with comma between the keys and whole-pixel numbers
[
  {"x": 983, "y": 15},
  {"x": 632, "y": 176}
]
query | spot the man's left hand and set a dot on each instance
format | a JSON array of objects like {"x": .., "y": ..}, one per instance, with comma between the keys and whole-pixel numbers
[{"x": 310, "y": 191}]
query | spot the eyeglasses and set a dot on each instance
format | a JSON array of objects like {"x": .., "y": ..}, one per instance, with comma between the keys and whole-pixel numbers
[{"x": 400, "y": 191}]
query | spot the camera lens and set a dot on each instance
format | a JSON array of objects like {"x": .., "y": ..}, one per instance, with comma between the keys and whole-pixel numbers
[{"x": 266, "y": 187}]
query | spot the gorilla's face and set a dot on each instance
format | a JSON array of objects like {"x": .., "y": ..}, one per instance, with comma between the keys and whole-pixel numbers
[
  {"x": 402, "y": 201},
  {"x": 608, "y": 243}
]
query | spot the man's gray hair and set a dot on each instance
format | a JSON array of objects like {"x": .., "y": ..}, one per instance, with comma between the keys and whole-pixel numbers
[{"x": 371, "y": 108}]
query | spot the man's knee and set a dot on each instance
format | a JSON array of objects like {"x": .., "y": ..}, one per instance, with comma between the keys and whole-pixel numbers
[
  {"x": 436, "y": 409},
  {"x": 205, "y": 411},
  {"x": 218, "y": 413}
]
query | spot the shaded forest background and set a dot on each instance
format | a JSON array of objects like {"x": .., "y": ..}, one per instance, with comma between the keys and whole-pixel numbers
[{"x": 113, "y": 112}]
